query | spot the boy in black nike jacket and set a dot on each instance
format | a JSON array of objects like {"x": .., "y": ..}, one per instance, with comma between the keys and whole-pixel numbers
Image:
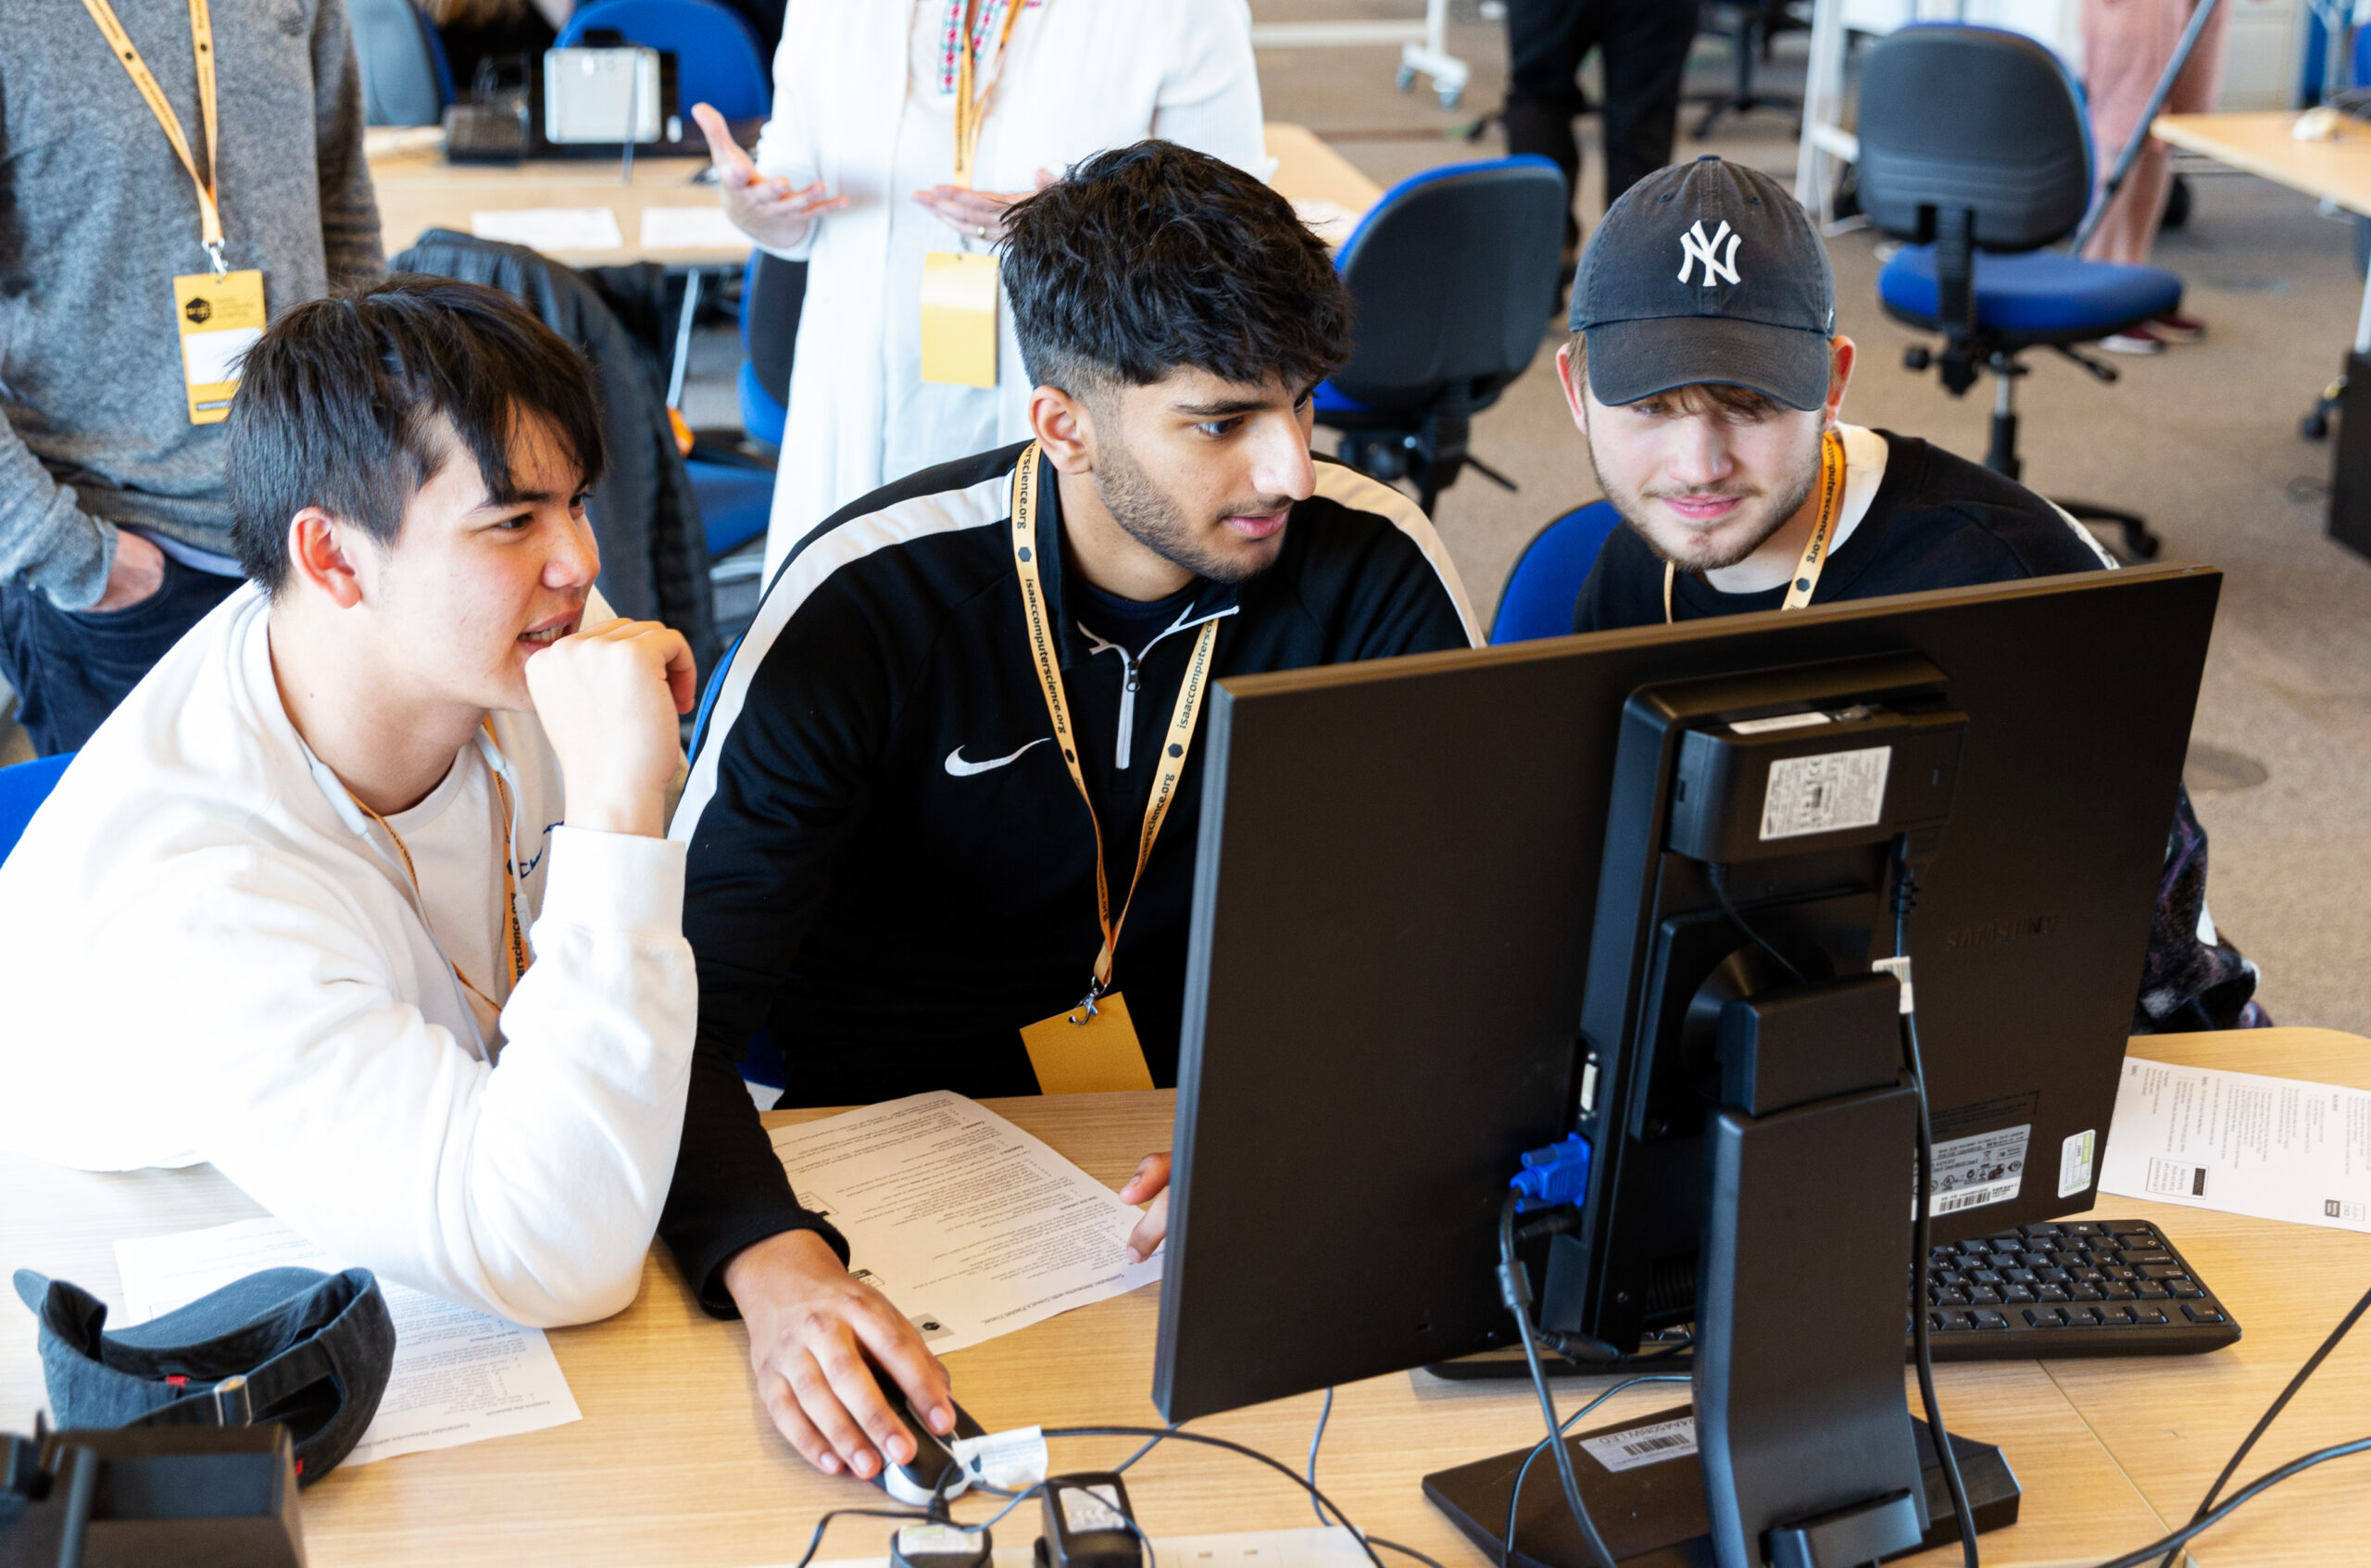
[{"x": 955, "y": 686}]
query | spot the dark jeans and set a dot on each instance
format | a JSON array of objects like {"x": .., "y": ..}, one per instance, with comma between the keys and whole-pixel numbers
[
  {"x": 70, "y": 666},
  {"x": 1646, "y": 55}
]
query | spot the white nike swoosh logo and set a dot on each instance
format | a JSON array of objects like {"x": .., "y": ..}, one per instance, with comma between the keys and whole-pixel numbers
[{"x": 962, "y": 770}]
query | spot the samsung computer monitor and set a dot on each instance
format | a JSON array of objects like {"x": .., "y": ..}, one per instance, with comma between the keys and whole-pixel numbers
[{"x": 1456, "y": 907}]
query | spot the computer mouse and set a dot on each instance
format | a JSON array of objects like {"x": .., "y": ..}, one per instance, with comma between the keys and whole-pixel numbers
[{"x": 925, "y": 1475}]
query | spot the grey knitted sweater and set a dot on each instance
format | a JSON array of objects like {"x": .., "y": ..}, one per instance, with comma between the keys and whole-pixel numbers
[{"x": 97, "y": 217}]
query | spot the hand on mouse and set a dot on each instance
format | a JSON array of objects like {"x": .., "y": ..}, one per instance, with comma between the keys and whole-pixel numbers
[{"x": 812, "y": 1328}]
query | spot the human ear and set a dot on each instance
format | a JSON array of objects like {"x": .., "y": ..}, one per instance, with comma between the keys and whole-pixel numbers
[
  {"x": 321, "y": 553},
  {"x": 1576, "y": 399},
  {"x": 1839, "y": 371},
  {"x": 1063, "y": 428}
]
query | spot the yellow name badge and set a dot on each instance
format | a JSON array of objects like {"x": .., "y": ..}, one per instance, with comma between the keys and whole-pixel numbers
[
  {"x": 220, "y": 319},
  {"x": 960, "y": 320},
  {"x": 1082, "y": 1053}
]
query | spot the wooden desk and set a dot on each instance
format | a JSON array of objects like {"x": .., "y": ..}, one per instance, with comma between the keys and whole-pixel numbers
[
  {"x": 419, "y": 190},
  {"x": 2337, "y": 171},
  {"x": 675, "y": 1463}
]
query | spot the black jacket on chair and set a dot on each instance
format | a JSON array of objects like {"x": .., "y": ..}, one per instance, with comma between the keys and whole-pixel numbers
[{"x": 654, "y": 552}]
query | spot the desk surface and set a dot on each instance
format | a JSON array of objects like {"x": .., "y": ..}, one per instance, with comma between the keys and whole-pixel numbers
[
  {"x": 2339, "y": 170},
  {"x": 419, "y": 190},
  {"x": 675, "y": 1463}
]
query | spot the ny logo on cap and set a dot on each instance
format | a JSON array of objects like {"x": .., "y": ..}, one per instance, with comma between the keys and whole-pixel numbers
[{"x": 1694, "y": 247}]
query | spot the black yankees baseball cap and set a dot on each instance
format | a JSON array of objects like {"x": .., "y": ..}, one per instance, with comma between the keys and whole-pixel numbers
[{"x": 1706, "y": 271}]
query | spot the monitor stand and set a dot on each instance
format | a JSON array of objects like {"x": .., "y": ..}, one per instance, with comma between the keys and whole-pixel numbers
[
  {"x": 1652, "y": 1513},
  {"x": 1799, "y": 1450}
]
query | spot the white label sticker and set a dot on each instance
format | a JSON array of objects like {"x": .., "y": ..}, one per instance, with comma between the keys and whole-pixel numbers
[
  {"x": 2076, "y": 1157},
  {"x": 1635, "y": 1446},
  {"x": 938, "y": 1540},
  {"x": 1778, "y": 722},
  {"x": 211, "y": 358},
  {"x": 1825, "y": 793},
  {"x": 2175, "y": 1178},
  {"x": 1011, "y": 1459},
  {"x": 1973, "y": 1172},
  {"x": 1092, "y": 1508}
]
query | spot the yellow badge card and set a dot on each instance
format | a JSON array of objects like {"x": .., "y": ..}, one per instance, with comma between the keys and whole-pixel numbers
[
  {"x": 1078, "y": 1053},
  {"x": 960, "y": 320},
  {"x": 220, "y": 319}
]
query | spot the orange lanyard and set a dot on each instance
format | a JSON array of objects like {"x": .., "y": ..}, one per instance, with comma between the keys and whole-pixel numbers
[
  {"x": 971, "y": 113},
  {"x": 201, "y": 30},
  {"x": 514, "y": 940},
  {"x": 1176, "y": 745},
  {"x": 1815, "y": 550}
]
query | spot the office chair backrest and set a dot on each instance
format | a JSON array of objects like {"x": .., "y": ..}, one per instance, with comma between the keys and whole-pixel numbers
[
  {"x": 1453, "y": 270},
  {"x": 405, "y": 79},
  {"x": 1538, "y": 599},
  {"x": 23, "y": 789},
  {"x": 773, "y": 294},
  {"x": 716, "y": 56},
  {"x": 1973, "y": 120}
]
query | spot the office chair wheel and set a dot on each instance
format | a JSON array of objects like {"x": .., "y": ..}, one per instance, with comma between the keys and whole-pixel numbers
[
  {"x": 2315, "y": 426},
  {"x": 1451, "y": 96},
  {"x": 1406, "y": 79}
]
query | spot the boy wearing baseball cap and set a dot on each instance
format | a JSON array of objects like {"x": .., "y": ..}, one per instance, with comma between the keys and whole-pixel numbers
[{"x": 1707, "y": 374}]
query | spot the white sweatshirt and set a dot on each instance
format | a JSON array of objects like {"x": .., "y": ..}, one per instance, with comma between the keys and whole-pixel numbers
[{"x": 208, "y": 954}]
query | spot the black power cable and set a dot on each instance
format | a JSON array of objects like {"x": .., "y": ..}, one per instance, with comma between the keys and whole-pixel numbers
[
  {"x": 2313, "y": 1363},
  {"x": 1507, "y": 1549},
  {"x": 1905, "y": 895},
  {"x": 1514, "y": 1288}
]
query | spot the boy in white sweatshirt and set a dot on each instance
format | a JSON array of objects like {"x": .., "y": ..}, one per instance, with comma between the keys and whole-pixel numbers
[{"x": 313, "y": 906}]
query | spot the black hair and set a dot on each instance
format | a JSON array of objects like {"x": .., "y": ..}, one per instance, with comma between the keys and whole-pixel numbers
[
  {"x": 1156, "y": 258},
  {"x": 341, "y": 405}
]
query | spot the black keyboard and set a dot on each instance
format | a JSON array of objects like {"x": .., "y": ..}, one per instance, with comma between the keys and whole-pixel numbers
[{"x": 2082, "y": 1287}]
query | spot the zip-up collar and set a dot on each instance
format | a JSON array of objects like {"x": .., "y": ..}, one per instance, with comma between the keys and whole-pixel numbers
[
  {"x": 1210, "y": 598},
  {"x": 1132, "y": 666}
]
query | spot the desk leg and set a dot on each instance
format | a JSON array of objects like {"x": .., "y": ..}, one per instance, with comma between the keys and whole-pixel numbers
[{"x": 684, "y": 338}]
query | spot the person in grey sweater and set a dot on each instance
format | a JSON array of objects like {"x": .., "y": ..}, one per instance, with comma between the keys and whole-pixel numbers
[{"x": 114, "y": 534}]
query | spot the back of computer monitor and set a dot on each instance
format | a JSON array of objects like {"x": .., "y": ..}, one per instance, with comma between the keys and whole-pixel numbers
[{"x": 1394, "y": 896}]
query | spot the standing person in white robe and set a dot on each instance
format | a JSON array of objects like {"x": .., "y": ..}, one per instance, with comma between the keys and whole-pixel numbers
[{"x": 853, "y": 174}]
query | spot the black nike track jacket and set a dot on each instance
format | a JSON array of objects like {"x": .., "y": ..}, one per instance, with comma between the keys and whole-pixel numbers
[{"x": 890, "y": 872}]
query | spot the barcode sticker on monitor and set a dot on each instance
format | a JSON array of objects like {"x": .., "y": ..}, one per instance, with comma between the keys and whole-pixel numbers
[
  {"x": 1973, "y": 1172},
  {"x": 1634, "y": 1446},
  {"x": 1825, "y": 793}
]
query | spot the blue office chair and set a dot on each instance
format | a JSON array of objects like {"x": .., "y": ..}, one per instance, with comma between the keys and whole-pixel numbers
[
  {"x": 23, "y": 786},
  {"x": 405, "y": 79},
  {"x": 1454, "y": 272},
  {"x": 1974, "y": 148},
  {"x": 716, "y": 56},
  {"x": 1537, "y": 600},
  {"x": 773, "y": 293}
]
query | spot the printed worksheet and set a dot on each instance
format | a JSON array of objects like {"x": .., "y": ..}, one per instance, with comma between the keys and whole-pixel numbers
[
  {"x": 460, "y": 1376},
  {"x": 971, "y": 1225},
  {"x": 689, "y": 228},
  {"x": 2276, "y": 1148},
  {"x": 550, "y": 229}
]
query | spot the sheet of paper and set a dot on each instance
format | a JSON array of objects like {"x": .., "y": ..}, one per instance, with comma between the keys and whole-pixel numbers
[
  {"x": 551, "y": 227},
  {"x": 460, "y": 1376},
  {"x": 972, "y": 1226},
  {"x": 2275, "y": 1148},
  {"x": 690, "y": 228}
]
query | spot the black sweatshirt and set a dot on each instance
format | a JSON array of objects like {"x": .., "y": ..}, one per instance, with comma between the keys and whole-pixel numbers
[
  {"x": 1937, "y": 521},
  {"x": 890, "y": 868}
]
